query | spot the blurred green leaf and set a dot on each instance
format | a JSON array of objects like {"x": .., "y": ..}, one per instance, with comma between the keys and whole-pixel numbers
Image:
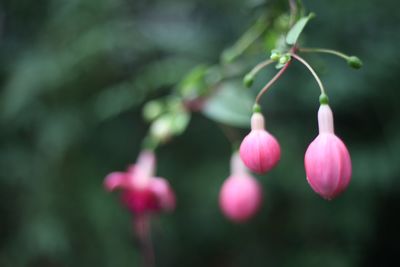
[
  {"x": 231, "y": 105},
  {"x": 270, "y": 40}
]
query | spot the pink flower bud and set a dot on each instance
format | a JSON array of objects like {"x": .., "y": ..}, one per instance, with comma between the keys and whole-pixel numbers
[
  {"x": 241, "y": 194},
  {"x": 327, "y": 160},
  {"x": 260, "y": 151}
]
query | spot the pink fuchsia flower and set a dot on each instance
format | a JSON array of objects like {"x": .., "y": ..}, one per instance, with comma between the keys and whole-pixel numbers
[
  {"x": 327, "y": 160},
  {"x": 260, "y": 151},
  {"x": 141, "y": 191},
  {"x": 241, "y": 194}
]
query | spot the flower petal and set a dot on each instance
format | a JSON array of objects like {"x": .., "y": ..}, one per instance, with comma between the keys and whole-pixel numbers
[
  {"x": 115, "y": 180},
  {"x": 163, "y": 192}
]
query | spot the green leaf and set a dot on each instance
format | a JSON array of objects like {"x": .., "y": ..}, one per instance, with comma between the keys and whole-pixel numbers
[
  {"x": 270, "y": 39},
  {"x": 231, "y": 105},
  {"x": 295, "y": 31}
]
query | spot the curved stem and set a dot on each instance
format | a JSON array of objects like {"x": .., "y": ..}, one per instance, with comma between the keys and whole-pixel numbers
[
  {"x": 305, "y": 63},
  {"x": 247, "y": 39},
  {"x": 293, "y": 12},
  {"x": 271, "y": 82},
  {"x": 326, "y": 51},
  {"x": 230, "y": 133},
  {"x": 260, "y": 66}
]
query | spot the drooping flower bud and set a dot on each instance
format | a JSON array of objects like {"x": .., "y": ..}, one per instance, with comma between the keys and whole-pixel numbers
[
  {"x": 241, "y": 194},
  {"x": 260, "y": 151},
  {"x": 141, "y": 191},
  {"x": 327, "y": 160}
]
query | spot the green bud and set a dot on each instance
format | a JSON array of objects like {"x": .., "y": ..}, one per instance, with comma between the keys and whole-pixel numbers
[
  {"x": 284, "y": 59},
  {"x": 161, "y": 128},
  {"x": 180, "y": 122},
  {"x": 152, "y": 110},
  {"x": 256, "y": 108},
  {"x": 248, "y": 80},
  {"x": 323, "y": 99},
  {"x": 275, "y": 56},
  {"x": 354, "y": 62}
]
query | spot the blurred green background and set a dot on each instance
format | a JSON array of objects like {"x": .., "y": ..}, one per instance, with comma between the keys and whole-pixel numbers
[{"x": 74, "y": 76}]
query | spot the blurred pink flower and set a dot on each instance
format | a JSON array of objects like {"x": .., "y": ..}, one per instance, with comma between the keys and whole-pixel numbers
[
  {"x": 327, "y": 160},
  {"x": 241, "y": 194},
  {"x": 260, "y": 151},
  {"x": 141, "y": 191}
]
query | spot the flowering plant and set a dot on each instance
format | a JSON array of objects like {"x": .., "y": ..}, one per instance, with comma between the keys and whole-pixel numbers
[{"x": 210, "y": 90}]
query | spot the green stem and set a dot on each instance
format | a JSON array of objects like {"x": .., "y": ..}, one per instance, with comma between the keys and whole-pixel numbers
[
  {"x": 271, "y": 82},
  {"x": 326, "y": 51},
  {"x": 305, "y": 63},
  {"x": 230, "y": 133},
  {"x": 248, "y": 38},
  {"x": 150, "y": 143},
  {"x": 293, "y": 12},
  {"x": 260, "y": 66}
]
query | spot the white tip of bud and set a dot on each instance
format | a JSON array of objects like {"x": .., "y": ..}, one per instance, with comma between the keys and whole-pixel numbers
[
  {"x": 325, "y": 119},
  {"x": 237, "y": 165},
  {"x": 257, "y": 121}
]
